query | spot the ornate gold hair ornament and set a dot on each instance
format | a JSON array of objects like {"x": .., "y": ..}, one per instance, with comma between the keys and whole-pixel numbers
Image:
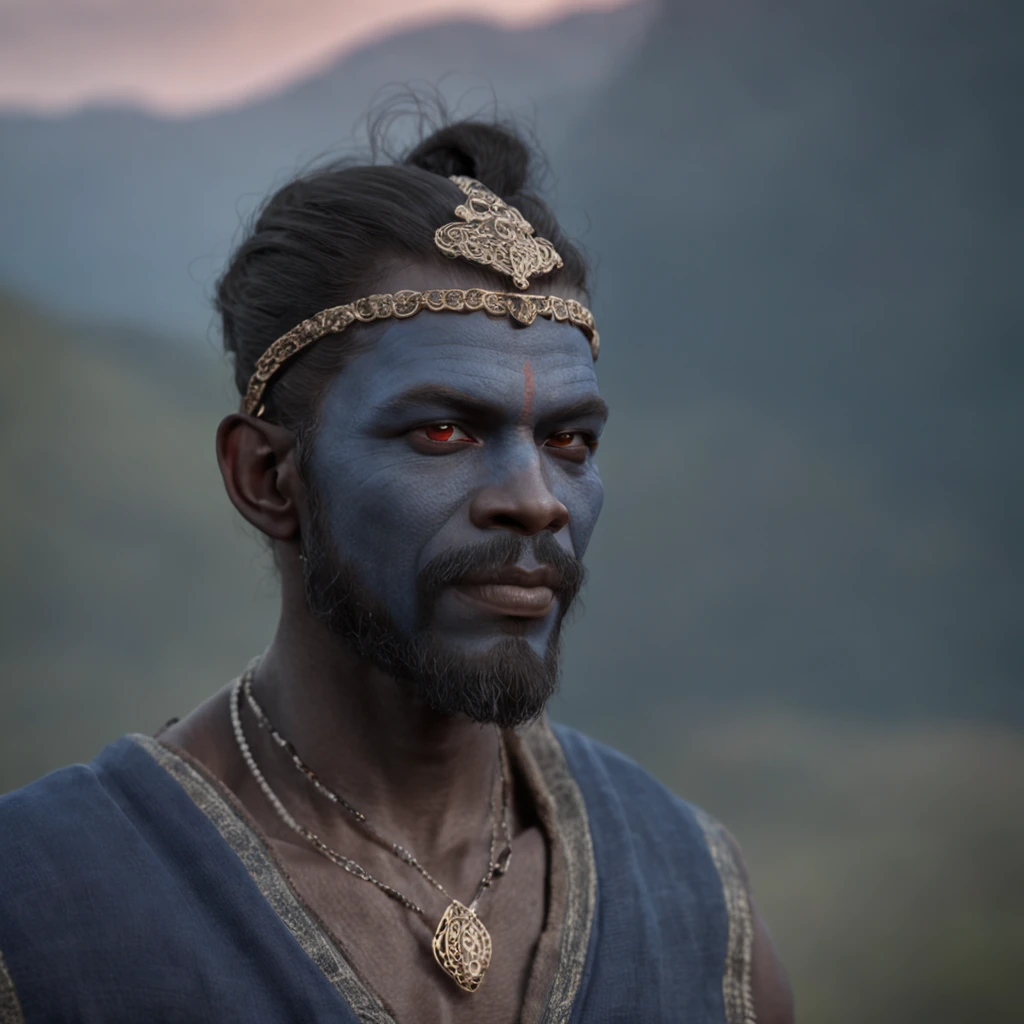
[
  {"x": 522, "y": 308},
  {"x": 495, "y": 234}
]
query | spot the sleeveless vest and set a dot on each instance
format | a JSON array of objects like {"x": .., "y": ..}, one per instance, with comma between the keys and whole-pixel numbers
[{"x": 135, "y": 889}]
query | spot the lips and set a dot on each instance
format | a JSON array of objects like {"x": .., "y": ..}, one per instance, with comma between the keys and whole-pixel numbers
[{"x": 526, "y": 593}]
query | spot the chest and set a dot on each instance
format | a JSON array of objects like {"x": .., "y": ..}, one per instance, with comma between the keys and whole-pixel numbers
[{"x": 389, "y": 946}]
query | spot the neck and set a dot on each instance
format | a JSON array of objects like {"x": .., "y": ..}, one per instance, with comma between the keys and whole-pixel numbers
[{"x": 420, "y": 778}]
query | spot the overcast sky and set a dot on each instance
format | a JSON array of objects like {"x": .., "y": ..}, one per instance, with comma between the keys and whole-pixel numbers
[{"x": 182, "y": 56}]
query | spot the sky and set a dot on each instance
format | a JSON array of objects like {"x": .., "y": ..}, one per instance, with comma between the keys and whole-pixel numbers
[{"x": 179, "y": 57}]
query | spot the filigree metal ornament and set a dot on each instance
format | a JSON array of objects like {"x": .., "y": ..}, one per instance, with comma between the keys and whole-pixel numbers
[
  {"x": 495, "y": 234},
  {"x": 522, "y": 308},
  {"x": 462, "y": 946}
]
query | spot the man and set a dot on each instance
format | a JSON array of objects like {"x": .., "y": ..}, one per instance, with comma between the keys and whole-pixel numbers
[{"x": 376, "y": 822}]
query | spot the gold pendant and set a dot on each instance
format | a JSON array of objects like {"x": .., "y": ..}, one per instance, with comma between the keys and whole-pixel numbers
[{"x": 462, "y": 946}]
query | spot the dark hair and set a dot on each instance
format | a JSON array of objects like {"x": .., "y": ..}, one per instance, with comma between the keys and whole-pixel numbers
[{"x": 328, "y": 236}]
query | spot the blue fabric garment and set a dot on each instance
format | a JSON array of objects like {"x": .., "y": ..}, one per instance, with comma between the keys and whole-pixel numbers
[
  {"x": 121, "y": 901},
  {"x": 660, "y": 932}
]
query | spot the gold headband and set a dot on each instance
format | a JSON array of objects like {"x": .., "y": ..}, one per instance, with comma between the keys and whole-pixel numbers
[
  {"x": 522, "y": 308},
  {"x": 492, "y": 233}
]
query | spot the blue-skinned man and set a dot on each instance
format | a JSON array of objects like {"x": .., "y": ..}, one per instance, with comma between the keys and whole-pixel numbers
[{"x": 376, "y": 821}]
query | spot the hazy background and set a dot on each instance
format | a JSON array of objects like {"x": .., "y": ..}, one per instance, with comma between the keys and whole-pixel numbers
[{"x": 805, "y": 609}]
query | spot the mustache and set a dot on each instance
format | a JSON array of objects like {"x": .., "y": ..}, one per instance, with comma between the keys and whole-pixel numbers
[{"x": 499, "y": 551}]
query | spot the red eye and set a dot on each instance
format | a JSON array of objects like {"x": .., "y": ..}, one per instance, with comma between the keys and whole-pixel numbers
[
  {"x": 444, "y": 433},
  {"x": 564, "y": 440}
]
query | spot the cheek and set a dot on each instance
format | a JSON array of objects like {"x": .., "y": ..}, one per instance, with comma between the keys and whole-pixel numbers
[
  {"x": 584, "y": 505},
  {"x": 385, "y": 504}
]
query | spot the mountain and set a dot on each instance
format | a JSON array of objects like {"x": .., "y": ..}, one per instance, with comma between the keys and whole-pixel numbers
[
  {"x": 808, "y": 218},
  {"x": 115, "y": 214},
  {"x": 59, "y": 54}
]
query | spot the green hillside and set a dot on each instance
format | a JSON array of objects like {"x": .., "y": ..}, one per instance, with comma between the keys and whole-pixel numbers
[
  {"x": 885, "y": 859},
  {"x": 129, "y": 590}
]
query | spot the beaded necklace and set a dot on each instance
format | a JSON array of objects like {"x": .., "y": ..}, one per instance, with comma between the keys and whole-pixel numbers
[{"x": 461, "y": 944}]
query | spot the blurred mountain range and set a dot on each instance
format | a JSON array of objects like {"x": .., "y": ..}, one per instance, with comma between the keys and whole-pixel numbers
[
  {"x": 122, "y": 215},
  {"x": 806, "y": 226},
  {"x": 811, "y": 213},
  {"x": 182, "y": 59}
]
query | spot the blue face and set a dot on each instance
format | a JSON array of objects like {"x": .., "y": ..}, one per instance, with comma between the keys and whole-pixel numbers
[{"x": 450, "y": 428}]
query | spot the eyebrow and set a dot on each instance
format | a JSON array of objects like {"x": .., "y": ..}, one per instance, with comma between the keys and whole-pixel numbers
[
  {"x": 591, "y": 405},
  {"x": 440, "y": 394},
  {"x": 479, "y": 408}
]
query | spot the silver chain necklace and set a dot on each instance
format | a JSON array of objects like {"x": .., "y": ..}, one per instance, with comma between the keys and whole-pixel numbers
[{"x": 461, "y": 944}]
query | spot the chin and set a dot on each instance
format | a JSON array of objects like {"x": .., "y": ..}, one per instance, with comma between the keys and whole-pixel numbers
[{"x": 507, "y": 684}]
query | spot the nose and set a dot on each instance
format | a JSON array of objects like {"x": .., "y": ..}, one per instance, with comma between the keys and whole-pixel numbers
[{"x": 521, "y": 502}]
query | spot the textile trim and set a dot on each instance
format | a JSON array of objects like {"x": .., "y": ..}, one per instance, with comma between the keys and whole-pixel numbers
[
  {"x": 573, "y": 829},
  {"x": 258, "y": 859},
  {"x": 736, "y": 978},
  {"x": 10, "y": 1007}
]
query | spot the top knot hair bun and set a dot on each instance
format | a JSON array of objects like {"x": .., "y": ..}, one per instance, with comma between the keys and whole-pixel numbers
[{"x": 488, "y": 152}]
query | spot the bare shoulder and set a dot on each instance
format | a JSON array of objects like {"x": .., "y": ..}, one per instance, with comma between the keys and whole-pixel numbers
[{"x": 773, "y": 997}]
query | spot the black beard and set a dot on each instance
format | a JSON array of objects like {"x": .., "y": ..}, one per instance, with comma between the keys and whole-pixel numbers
[{"x": 508, "y": 685}]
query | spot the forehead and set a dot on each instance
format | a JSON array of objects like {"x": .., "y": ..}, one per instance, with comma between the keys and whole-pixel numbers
[{"x": 483, "y": 356}]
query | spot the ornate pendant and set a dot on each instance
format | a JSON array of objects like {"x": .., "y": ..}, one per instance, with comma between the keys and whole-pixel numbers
[{"x": 462, "y": 946}]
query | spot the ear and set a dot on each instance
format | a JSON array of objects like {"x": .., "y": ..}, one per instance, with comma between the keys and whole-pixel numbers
[{"x": 257, "y": 463}]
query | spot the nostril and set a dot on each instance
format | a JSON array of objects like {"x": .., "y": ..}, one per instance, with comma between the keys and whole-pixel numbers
[{"x": 505, "y": 522}]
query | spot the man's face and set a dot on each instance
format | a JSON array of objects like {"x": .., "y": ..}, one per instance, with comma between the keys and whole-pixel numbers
[{"x": 453, "y": 492}]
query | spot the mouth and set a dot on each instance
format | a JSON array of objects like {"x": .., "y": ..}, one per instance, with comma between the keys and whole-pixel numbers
[{"x": 511, "y": 591}]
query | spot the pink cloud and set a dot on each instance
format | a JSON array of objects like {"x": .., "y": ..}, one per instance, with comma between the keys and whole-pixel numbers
[{"x": 183, "y": 56}]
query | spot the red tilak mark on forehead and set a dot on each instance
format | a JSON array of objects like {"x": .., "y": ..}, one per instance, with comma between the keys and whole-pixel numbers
[{"x": 528, "y": 392}]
